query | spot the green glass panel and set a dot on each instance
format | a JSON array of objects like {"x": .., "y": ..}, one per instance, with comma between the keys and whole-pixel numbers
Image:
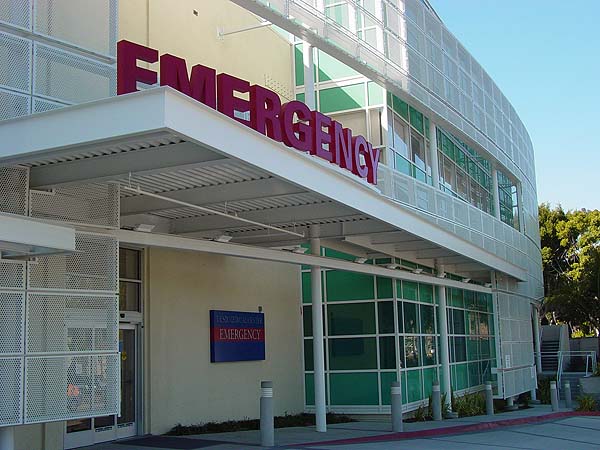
[
  {"x": 343, "y": 286},
  {"x": 469, "y": 299},
  {"x": 332, "y": 69},
  {"x": 299, "y": 65},
  {"x": 473, "y": 349},
  {"x": 484, "y": 348},
  {"x": 309, "y": 388},
  {"x": 429, "y": 376},
  {"x": 375, "y": 93},
  {"x": 383, "y": 260},
  {"x": 307, "y": 321},
  {"x": 339, "y": 255},
  {"x": 402, "y": 164},
  {"x": 414, "y": 385},
  {"x": 427, "y": 127},
  {"x": 387, "y": 378},
  {"x": 462, "y": 376},
  {"x": 485, "y": 371},
  {"x": 411, "y": 323},
  {"x": 482, "y": 303},
  {"x": 301, "y": 97},
  {"x": 416, "y": 120},
  {"x": 429, "y": 350},
  {"x": 456, "y": 298},
  {"x": 387, "y": 352},
  {"x": 426, "y": 293},
  {"x": 474, "y": 374},
  {"x": 400, "y": 318},
  {"x": 385, "y": 313},
  {"x": 458, "y": 321},
  {"x": 400, "y": 107},
  {"x": 353, "y": 318},
  {"x": 354, "y": 389},
  {"x": 472, "y": 323},
  {"x": 384, "y": 288},
  {"x": 342, "y": 98},
  {"x": 352, "y": 353},
  {"x": 493, "y": 349},
  {"x": 412, "y": 349},
  {"x": 460, "y": 348},
  {"x": 420, "y": 175},
  {"x": 410, "y": 290},
  {"x": 306, "y": 290},
  {"x": 308, "y": 355},
  {"x": 427, "y": 319},
  {"x": 491, "y": 324},
  {"x": 483, "y": 324}
]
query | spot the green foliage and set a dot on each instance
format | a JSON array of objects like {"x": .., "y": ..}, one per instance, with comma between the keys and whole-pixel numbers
[
  {"x": 587, "y": 403},
  {"x": 543, "y": 391},
  {"x": 469, "y": 405},
  {"x": 420, "y": 414},
  {"x": 571, "y": 259},
  {"x": 445, "y": 406}
]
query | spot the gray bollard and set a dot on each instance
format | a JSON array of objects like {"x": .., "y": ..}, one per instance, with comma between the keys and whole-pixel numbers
[
  {"x": 553, "y": 396},
  {"x": 568, "y": 397},
  {"x": 267, "y": 423},
  {"x": 489, "y": 399},
  {"x": 396, "y": 397},
  {"x": 436, "y": 401}
]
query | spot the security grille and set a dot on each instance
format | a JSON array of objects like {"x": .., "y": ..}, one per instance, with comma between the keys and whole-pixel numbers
[
  {"x": 93, "y": 267},
  {"x": 11, "y": 394},
  {"x": 59, "y": 387},
  {"x": 90, "y": 204},
  {"x": 69, "y": 77},
  {"x": 70, "y": 323},
  {"x": 16, "y": 12},
  {"x": 14, "y": 183},
  {"x": 12, "y": 305},
  {"x": 17, "y": 74},
  {"x": 12, "y": 274},
  {"x": 13, "y": 104}
]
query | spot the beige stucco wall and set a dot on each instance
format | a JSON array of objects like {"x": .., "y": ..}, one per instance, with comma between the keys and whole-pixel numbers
[
  {"x": 261, "y": 56},
  {"x": 46, "y": 436},
  {"x": 182, "y": 385}
]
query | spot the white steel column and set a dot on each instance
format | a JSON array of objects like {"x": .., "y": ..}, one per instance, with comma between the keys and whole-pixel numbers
[
  {"x": 317, "y": 324},
  {"x": 309, "y": 75},
  {"x": 444, "y": 348},
  {"x": 433, "y": 155},
  {"x": 536, "y": 340},
  {"x": 495, "y": 193}
]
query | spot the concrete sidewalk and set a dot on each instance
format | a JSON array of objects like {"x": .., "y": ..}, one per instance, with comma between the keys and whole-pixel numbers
[{"x": 516, "y": 430}]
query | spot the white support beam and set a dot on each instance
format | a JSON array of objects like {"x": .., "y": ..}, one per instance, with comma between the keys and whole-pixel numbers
[{"x": 444, "y": 346}]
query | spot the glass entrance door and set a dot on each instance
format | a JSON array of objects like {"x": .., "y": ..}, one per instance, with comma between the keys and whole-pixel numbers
[{"x": 89, "y": 431}]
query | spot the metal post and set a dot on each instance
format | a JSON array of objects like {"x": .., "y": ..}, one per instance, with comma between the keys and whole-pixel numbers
[
  {"x": 309, "y": 75},
  {"x": 568, "y": 398},
  {"x": 510, "y": 404},
  {"x": 396, "y": 400},
  {"x": 433, "y": 156},
  {"x": 495, "y": 193},
  {"x": 489, "y": 399},
  {"x": 536, "y": 341},
  {"x": 553, "y": 396},
  {"x": 7, "y": 438},
  {"x": 267, "y": 424},
  {"x": 317, "y": 322},
  {"x": 444, "y": 350},
  {"x": 436, "y": 401}
]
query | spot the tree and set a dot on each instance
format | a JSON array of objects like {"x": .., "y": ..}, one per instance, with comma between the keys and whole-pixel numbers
[{"x": 571, "y": 259}]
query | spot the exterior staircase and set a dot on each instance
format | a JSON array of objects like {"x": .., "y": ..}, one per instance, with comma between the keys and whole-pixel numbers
[{"x": 550, "y": 356}]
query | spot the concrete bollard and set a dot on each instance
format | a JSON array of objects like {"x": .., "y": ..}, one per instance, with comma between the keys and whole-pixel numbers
[
  {"x": 553, "y": 396},
  {"x": 436, "y": 401},
  {"x": 568, "y": 396},
  {"x": 489, "y": 399},
  {"x": 396, "y": 397},
  {"x": 267, "y": 423}
]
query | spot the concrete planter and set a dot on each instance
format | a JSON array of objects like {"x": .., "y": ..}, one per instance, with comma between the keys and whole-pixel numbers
[{"x": 591, "y": 386}]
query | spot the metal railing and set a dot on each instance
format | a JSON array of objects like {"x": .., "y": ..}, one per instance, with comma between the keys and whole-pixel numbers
[{"x": 566, "y": 359}]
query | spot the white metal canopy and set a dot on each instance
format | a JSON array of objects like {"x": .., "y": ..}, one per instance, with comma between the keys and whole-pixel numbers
[{"x": 162, "y": 142}]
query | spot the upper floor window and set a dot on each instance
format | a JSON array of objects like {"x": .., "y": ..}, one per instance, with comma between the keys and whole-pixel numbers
[{"x": 130, "y": 279}]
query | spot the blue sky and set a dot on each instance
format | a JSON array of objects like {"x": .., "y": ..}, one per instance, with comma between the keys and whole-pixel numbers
[{"x": 545, "y": 56}]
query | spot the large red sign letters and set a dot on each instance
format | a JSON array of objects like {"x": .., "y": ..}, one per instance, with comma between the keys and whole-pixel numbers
[{"x": 292, "y": 123}]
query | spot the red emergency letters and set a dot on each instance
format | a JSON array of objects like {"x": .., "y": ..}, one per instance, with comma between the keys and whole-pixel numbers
[{"x": 292, "y": 123}]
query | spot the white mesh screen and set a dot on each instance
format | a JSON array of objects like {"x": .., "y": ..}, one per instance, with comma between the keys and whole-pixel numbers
[
  {"x": 15, "y": 72},
  {"x": 16, "y": 12},
  {"x": 12, "y": 305},
  {"x": 89, "y": 24},
  {"x": 40, "y": 105},
  {"x": 12, "y": 274},
  {"x": 14, "y": 183},
  {"x": 60, "y": 387},
  {"x": 92, "y": 204},
  {"x": 93, "y": 267},
  {"x": 68, "y": 323},
  {"x": 71, "y": 78},
  {"x": 11, "y": 393},
  {"x": 13, "y": 104}
]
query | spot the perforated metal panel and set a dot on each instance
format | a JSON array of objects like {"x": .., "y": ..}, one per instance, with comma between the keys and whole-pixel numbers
[
  {"x": 69, "y": 323},
  {"x": 40, "y": 105},
  {"x": 12, "y": 305},
  {"x": 93, "y": 267},
  {"x": 16, "y": 12},
  {"x": 59, "y": 387},
  {"x": 91, "y": 204},
  {"x": 71, "y": 78},
  {"x": 14, "y": 185},
  {"x": 11, "y": 392},
  {"x": 13, "y": 104},
  {"x": 12, "y": 275},
  {"x": 15, "y": 71}
]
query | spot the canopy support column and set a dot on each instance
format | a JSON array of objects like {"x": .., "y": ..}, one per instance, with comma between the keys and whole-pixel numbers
[{"x": 444, "y": 348}]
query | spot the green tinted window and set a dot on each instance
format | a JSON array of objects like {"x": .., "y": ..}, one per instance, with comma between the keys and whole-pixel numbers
[
  {"x": 458, "y": 321},
  {"x": 411, "y": 323},
  {"x": 375, "y": 93},
  {"x": 473, "y": 349},
  {"x": 309, "y": 388},
  {"x": 342, "y": 98},
  {"x": 332, "y": 69},
  {"x": 308, "y": 355},
  {"x": 409, "y": 290},
  {"x": 384, "y": 288},
  {"x": 400, "y": 107},
  {"x": 307, "y": 320},
  {"x": 385, "y": 313},
  {"x": 349, "y": 286},
  {"x": 427, "y": 319},
  {"x": 426, "y": 293},
  {"x": 354, "y": 389},
  {"x": 352, "y": 353},
  {"x": 412, "y": 349},
  {"x": 299, "y": 65},
  {"x": 354, "y": 318},
  {"x": 306, "y": 292},
  {"x": 414, "y": 385},
  {"x": 387, "y": 352},
  {"x": 456, "y": 297},
  {"x": 428, "y": 350},
  {"x": 462, "y": 377},
  {"x": 416, "y": 120},
  {"x": 460, "y": 348},
  {"x": 387, "y": 378},
  {"x": 429, "y": 376},
  {"x": 474, "y": 374}
]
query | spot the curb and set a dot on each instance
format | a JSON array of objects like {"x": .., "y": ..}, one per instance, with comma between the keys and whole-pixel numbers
[{"x": 484, "y": 426}]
